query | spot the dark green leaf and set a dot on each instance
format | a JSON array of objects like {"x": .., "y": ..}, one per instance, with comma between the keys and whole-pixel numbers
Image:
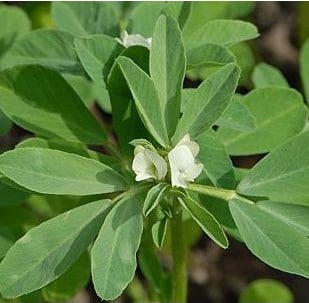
[
  {"x": 304, "y": 69},
  {"x": 41, "y": 101}
]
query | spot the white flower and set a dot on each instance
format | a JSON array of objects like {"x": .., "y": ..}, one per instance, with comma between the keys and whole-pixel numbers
[
  {"x": 148, "y": 164},
  {"x": 130, "y": 40},
  {"x": 182, "y": 162}
]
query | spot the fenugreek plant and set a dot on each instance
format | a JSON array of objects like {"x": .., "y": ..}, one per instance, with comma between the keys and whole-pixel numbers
[{"x": 166, "y": 157}]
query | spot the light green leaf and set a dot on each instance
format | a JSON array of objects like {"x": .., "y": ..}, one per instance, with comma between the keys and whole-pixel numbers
[
  {"x": 208, "y": 102},
  {"x": 304, "y": 69},
  {"x": 41, "y": 101},
  {"x": 245, "y": 58},
  {"x": 167, "y": 68},
  {"x": 55, "y": 172},
  {"x": 13, "y": 23},
  {"x": 217, "y": 164},
  {"x": 205, "y": 220},
  {"x": 279, "y": 114},
  {"x": 113, "y": 256},
  {"x": 83, "y": 18},
  {"x": 46, "y": 47},
  {"x": 153, "y": 198},
  {"x": 271, "y": 239},
  {"x": 208, "y": 55},
  {"x": 158, "y": 231},
  {"x": 266, "y": 291},
  {"x": 283, "y": 175},
  {"x": 126, "y": 121},
  {"x": 237, "y": 116},
  {"x": 5, "y": 124},
  {"x": 72, "y": 281},
  {"x": 146, "y": 99},
  {"x": 69, "y": 147},
  {"x": 83, "y": 87},
  {"x": 265, "y": 75},
  {"x": 295, "y": 216},
  {"x": 205, "y": 11},
  {"x": 46, "y": 251},
  {"x": 97, "y": 54},
  {"x": 221, "y": 32},
  {"x": 138, "y": 24}
]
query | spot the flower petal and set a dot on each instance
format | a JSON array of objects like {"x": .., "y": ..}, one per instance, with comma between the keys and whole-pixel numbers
[{"x": 158, "y": 162}]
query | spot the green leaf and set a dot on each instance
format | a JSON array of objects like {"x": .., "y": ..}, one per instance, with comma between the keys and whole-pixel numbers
[
  {"x": 265, "y": 75},
  {"x": 81, "y": 18},
  {"x": 46, "y": 251},
  {"x": 279, "y": 114},
  {"x": 138, "y": 24},
  {"x": 83, "y": 87},
  {"x": 126, "y": 121},
  {"x": 304, "y": 69},
  {"x": 271, "y": 239},
  {"x": 217, "y": 164},
  {"x": 69, "y": 147},
  {"x": 221, "y": 32},
  {"x": 237, "y": 116},
  {"x": 208, "y": 102},
  {"x": 46, "y": 47},
  {"x": 205, "y": 220},
  {"x": 208, "y": 55},
  {"x": 153, "y": 198},
  {"x": 205, "y": 11},
  {"x": 167, "y": 68},
  {"x": 158, "y": 231},
  {"x": 55, "y": 172},
  {"x": 113, "y": 256},
  {"x": 266, "y": 291},
  {"x": 97, "y": 54},
  {"x": 147, "y": 101},
  {"x": 10, "y": 196},
  {"x": 72, "y": 281},
  {"x": 283, "y": 175},
  {"x": 13, "y": 23},
  {"x": 5, "y": 124},
  {"x": 7, "y": 239},
  {"x": 295, "y": 216},
  {"x": 41, "y": 101},
  {"x": 245, "y": 58}
]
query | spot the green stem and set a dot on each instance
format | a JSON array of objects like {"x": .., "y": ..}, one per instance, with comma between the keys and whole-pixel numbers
[
  {"x": 225, "y": 194},
  {"x": 179, "y": 253}
]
